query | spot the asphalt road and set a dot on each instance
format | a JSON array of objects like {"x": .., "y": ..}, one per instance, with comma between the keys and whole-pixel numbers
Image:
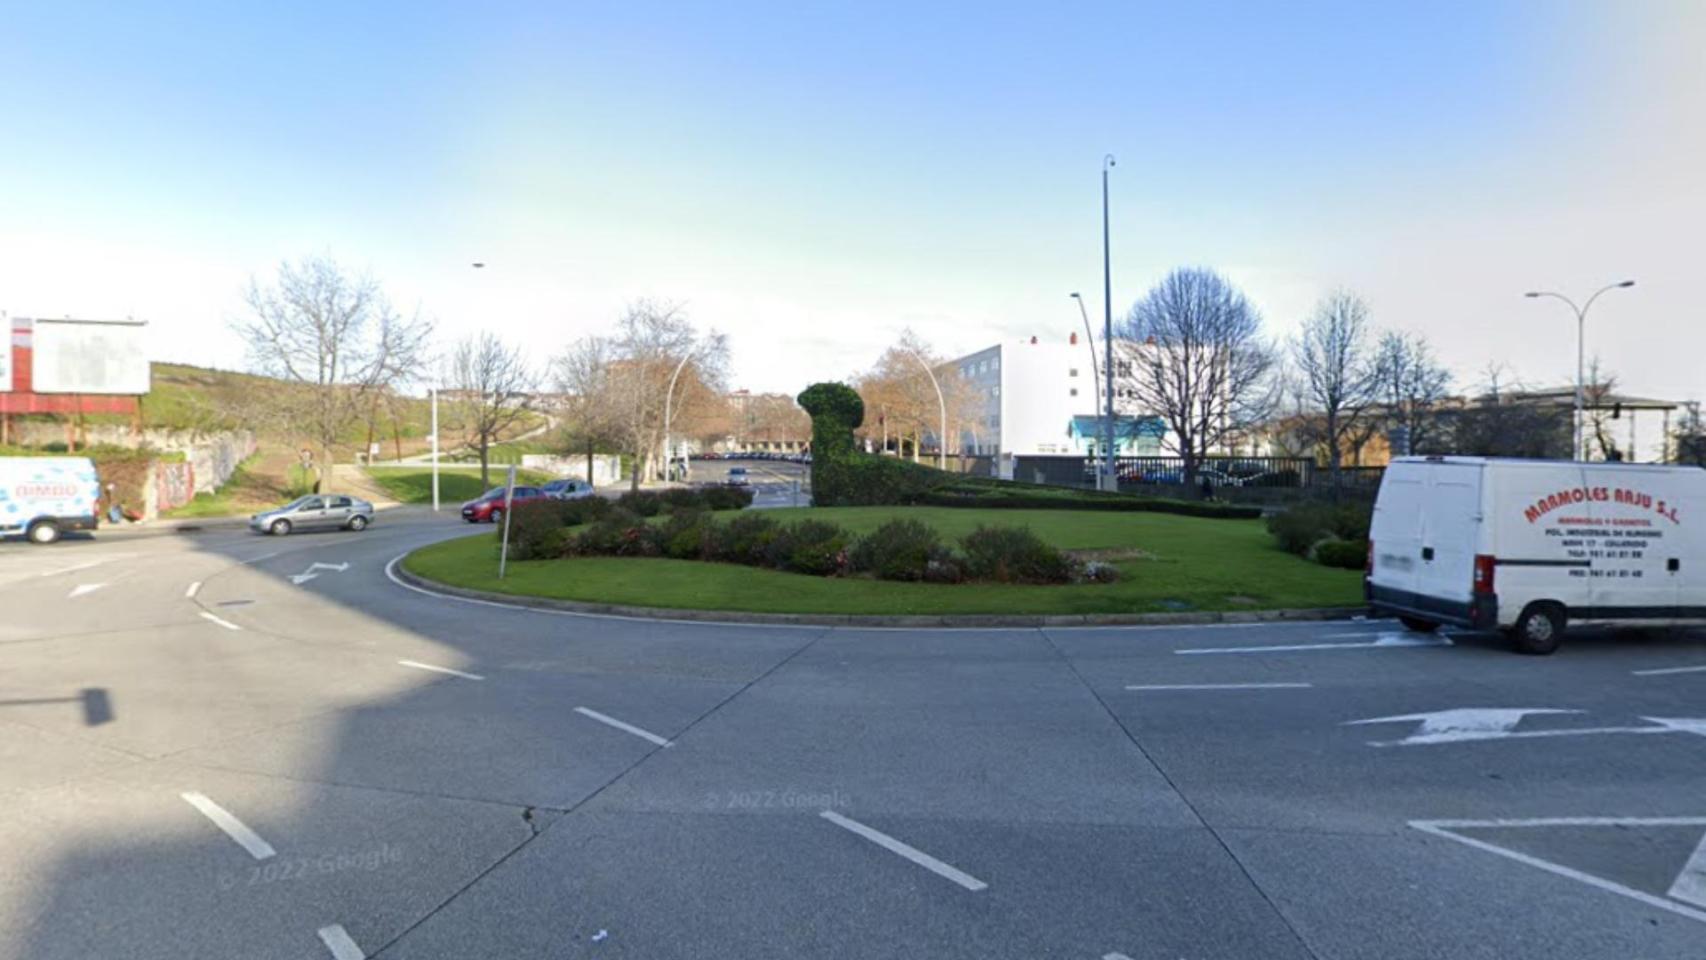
[
  {"x": 774, "y": 483},
  {"x": 223, "y": 746}
]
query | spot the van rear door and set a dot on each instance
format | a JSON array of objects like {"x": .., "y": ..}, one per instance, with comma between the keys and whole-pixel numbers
[
  {"x": 1451, "y": 526},
  {"x": 1396, "y": 529}
]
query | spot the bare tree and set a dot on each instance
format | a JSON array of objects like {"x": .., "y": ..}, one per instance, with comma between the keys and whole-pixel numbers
[
  {"x": 493, "y": 389},
  {"x": 1690, "y": 438},
  {"x": 337, "y": 337},
  {"x": 1336, "y": 380},
  {"x": 1599, "y": 408},
  {"x": 1412, "y": 384},
  {"x": 903, "y": 400},
  {"x": 582, "y": 377},
  {"x": 1501, "y": 422},
  {"x": 629, "y": 375},
  {"x": 1193, "y": 354}
]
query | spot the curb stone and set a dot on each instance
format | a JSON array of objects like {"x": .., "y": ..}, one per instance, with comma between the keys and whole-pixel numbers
[{"x": 877, "y": 620}]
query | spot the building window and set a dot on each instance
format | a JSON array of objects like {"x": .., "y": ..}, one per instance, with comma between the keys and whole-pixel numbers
[
  {"x": 995, "y": 391},
  {"x": 1073, "y": 372},
  {"x": 1074, "y": 391}
]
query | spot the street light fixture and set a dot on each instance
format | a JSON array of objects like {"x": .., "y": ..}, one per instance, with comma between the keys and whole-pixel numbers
[
  {"x": 1095, "y": 376},
  {"x": 1581, "y": 348},
  {"x": 942, "y": 407}
]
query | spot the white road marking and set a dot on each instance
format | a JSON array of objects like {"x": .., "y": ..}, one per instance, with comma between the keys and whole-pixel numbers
[
  {"x": 1447, "y": 828},
  {"x": 1221, "y": 686},
  {"x": 224, "y": 623},
  {"x": 1690, "y": 884},
  {"x": 314, "y": 571},
  {"x": 83, "y": 590},
  {"x": 1380, "y": 642},
  {"x": 612, "y": 721},
  {"x": 191, "y": 590},
  {"x": 427, "y": 666},
  {"x": 1115, "y": 956},
  {"x": 911, "y": 853},
  {"x": 1458, "y": 726},
  {"x": 234, "y": 828},
  {"x": 264, "y": 556},
  {"x": 337, "y": 940},
  {"x": 87, "y": 565},
  {"x": 1452, "y": 726},
  {"x": 1668, "y": 670}
]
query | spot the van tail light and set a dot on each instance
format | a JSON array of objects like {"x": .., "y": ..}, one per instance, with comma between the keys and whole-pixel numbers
[
  {"x": 1483, "y": 575},
  {"x": 1368, "y": 566}
]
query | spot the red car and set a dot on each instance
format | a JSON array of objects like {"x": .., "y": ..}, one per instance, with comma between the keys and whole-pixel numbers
[{"x": 489, "y": 508}]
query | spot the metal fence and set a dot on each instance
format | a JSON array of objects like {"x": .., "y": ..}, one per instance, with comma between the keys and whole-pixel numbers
[{"x": 1218, "y": 471}]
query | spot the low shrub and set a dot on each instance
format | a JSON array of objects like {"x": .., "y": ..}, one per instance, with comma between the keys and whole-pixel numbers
[
  {"x": 943, "y": 571},
  {"x": 813, "y": 547},
  {"x": 727, "y": 498},
  {"x": 745, "y": 539},
  {"x": 679, "y": 497},
  {"x": 618, "y": 533},
  {"x": 1014, "y": 555},
  {"x": 643, "y": 503},
  {"x": 899, "y": 550},
  {"x": 686, "y": 534},
  {"x": 1098, "y": 572},
  {"x": 585, "y": 510},
  {"x": 536, "y": 530},
  {"x": 1344, "y": 554},
  {"x": 1001, "y": 499},
  {"x": 1298, "y": 529}
]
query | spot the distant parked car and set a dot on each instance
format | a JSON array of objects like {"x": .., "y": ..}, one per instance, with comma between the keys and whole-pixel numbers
[
  {"x": 737, "y": 478},
  {"x": 567, "y": 489},
  {"x": 489, "y": 506},
  {"x": 318, "y": 511}
]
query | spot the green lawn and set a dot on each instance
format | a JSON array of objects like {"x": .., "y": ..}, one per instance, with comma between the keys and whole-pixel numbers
[
  {"x": 414, "y": 484},
  {"x": 1169, "y": 563}
]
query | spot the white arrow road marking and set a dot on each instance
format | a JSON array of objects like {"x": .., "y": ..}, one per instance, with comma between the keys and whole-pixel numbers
[
  {"x": 1380, "y": 642},
  {"x": 911, "y": 853},
  {"x": 1451, "y": 726},
  {"x": 191, "y": 590},
  {"x": 234, "y": 828},
  {"x": 626, "y": 727},
  {"x": 338, "y": 940},
  {"x": 224, "y": 623},
  {"x": 83, "y": 590},
  {"x": 1115, "y": 956},
  {"x": 1459, "y": 726},
  {"x": 314, "y": 571},
  {"x": 1690, "y": 884},
  {"x": 427, "y": 666},
  {"x": 1448, "y": 828}
]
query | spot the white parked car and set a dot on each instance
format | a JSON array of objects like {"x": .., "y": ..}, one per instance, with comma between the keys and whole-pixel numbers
[
  {"x": 42, "y": 497},
  {"x": 1530, "y": 546}
]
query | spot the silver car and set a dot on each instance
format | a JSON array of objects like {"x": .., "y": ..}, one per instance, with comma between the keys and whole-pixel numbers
[{"x": 318, "y": 511}]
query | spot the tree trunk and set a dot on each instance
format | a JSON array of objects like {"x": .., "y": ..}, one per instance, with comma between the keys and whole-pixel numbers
[
  {"x": 485, "y": 469},
  {"x": 589, "y": 460}
]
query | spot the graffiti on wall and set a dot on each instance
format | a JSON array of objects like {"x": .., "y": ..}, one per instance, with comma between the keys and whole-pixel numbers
[{"x": 175, "y": 484}]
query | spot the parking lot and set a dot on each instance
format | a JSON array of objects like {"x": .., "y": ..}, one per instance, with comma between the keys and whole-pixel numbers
[{"x": 223, "y": 745}]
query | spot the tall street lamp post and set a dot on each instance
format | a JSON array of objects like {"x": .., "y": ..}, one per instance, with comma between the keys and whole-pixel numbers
[
  {"x": 942, "y": 407},
  {"x": 1107, "y": 339},
  {"x": 1581, "y": 349}
]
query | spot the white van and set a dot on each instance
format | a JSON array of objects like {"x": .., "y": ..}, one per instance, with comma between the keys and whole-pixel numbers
[
  {"x": 42, "y": 497},
  {"x": 1529, "y": 546}
]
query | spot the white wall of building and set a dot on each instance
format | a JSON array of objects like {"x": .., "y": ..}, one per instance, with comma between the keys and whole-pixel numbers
[{"x": 1030, "y": 391}]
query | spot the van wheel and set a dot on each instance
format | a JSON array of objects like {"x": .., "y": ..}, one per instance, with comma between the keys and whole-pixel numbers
[
  {"x": 1539, "y": 630},
  {"x": 44, "y": 531},
  {"x": 280, "y": 527},
  {"x": 1418, "y": 625}
]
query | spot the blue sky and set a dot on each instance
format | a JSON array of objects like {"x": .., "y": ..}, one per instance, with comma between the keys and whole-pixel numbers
[{"x": 810, "y": 181}]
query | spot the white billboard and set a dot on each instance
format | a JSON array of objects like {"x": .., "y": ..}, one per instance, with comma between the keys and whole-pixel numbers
[{"x": 89, "y": 356}]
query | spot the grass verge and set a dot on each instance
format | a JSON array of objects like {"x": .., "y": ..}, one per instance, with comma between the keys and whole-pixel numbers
[
  {"x": 414, "y": 484},
  {"x": 1168, "y": 564}
]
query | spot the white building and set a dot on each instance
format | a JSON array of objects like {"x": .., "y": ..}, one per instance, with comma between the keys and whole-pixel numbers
[{"x": 1031, "y": 393}]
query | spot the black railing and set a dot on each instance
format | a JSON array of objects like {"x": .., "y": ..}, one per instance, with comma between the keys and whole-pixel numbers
[{"x": 1218, "y": 471}]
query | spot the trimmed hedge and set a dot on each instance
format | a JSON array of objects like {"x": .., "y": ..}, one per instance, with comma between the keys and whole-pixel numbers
[
  {"x": 952, "y": 497},
  {"x": 1301, "y": 527},
  {"x": 1014, "y": 555},
  {"x": 1344, "y": 554},
  {"x": 899, "y": 550}
]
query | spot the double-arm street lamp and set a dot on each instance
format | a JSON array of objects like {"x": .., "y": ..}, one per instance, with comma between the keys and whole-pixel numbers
[{"x": 1581, "y": 350}]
